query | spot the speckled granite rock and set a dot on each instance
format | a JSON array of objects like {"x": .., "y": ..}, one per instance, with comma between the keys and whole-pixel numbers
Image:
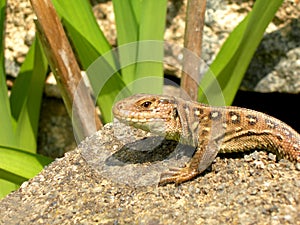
[
  {"x": 250, "y": 189},
  {"x": 276, "y": 63}
]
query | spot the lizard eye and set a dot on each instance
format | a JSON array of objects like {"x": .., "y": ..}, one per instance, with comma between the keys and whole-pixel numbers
[{"x": 146, "y": 104}]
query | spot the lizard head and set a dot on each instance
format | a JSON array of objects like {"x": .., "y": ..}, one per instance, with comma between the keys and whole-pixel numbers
[{"x": 155, "y": 113}]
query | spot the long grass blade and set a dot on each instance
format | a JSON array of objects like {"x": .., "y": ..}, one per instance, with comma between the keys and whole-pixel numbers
[
  {"x": 107, "y": 86},
  {"x": 6, "y": 187},
  {"x": 84, "y": 32},
  {"x": 127, "y": 16},
  {"x": 18, "y": 165},
  {"x": 90, "y": 44},
  {"x": 152, "y": 26},
  {"x": 7, "y": 136},
  {"x": 26, "y": 97}
]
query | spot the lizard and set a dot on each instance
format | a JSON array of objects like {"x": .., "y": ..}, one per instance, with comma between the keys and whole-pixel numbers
[{"x": 210, "y": 129}]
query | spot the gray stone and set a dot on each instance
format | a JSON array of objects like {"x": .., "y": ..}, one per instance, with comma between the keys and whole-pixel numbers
[{"x": 72, "y": 190}]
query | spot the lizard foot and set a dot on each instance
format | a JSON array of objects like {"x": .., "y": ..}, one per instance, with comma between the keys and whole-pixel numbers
[{"x": 177, "y": 175}]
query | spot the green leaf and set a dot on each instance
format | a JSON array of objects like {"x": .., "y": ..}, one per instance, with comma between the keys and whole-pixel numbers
[
  {"x": 106, "y": 86},
  {"x": 152, "y": 21},
  {"x": 86, "y": 52},
  {"x": 141, "y": 62},
  {"x": 230, "y": 65},
  {"x": 152, "y": 26},
  {"x": 11, "y": 178},
  {"x": 127, "y": 15},
  {"x": 18, "y": 165},
  {"x": 7, "y": 136},
  {"x": 84, "y": 32},
  {"x": 127, "y": 20},
  {"x": 26, "y": 95},
  {"x": 90, "y": 44},
  {"x": 6, "y": 187}
]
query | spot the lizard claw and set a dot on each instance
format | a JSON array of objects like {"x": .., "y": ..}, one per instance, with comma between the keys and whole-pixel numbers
[{"x": 177, "y": 176}]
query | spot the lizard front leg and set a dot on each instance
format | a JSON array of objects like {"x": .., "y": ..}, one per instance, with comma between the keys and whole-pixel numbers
[
  {"x": 203, "y": 157},
  {"x": 177, "y": 175}
]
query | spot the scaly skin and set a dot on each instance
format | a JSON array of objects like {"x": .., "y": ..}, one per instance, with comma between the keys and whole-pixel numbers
[{"x": 209, "y": 129}]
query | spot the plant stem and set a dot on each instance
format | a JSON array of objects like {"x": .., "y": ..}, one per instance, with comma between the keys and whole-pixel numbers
[
  {"x": 192, "y": 43},
  {"x": 65, "y": 68}
]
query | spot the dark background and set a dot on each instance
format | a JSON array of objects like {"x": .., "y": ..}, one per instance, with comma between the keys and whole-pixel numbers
[{"x": 280, "y": 105}]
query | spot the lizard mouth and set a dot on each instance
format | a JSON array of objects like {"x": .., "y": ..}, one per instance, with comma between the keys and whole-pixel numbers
[
  {"x": 128, "y": 119},
  {"x": 154, "y": 125},
  {"x": 122, "y": 113}
]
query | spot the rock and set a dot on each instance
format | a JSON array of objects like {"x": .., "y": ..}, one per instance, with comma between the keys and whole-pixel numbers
[
  {"x": 276, "y": 64},
  {"x": 73, "y": 190}
]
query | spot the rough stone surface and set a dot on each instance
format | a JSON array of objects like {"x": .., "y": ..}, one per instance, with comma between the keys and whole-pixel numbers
[
  {"x": 277, "y": 64},
  {"x": 249, "y": 189}
]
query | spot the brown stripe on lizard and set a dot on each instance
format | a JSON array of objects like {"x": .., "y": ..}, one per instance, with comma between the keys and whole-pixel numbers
[{"x": 209, "y": 129}]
